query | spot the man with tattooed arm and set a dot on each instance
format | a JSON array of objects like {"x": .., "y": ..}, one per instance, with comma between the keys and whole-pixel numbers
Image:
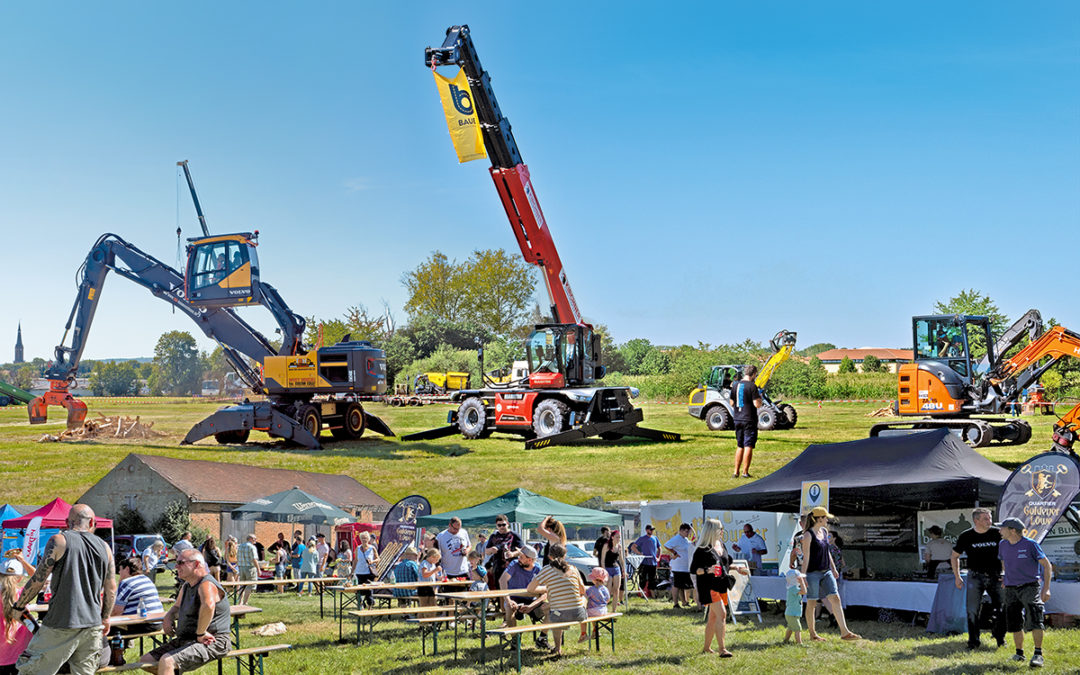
[{"x": 84, "y": 591}]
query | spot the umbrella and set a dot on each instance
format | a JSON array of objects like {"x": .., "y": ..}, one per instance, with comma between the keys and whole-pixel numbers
[{"x": 292, "y": 506}]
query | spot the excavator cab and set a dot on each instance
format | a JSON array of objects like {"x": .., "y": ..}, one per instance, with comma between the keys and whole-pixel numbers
[{"x": 223, "y": 270}]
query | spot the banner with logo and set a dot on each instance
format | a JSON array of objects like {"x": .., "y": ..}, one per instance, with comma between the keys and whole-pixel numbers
[
  {"x": 461, "y": 120},
  {"x": 399, "y": 531},
  {"x": 33, "y": 539},
  {"x": 665, "y": 517},
  {"x": 1039, "y": 492},
  {"x": 814, "y": 493}
]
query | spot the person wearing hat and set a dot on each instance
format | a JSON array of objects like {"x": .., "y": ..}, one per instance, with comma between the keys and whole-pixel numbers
[
  {"x": 648, "y": 547},
  {"x": 980, "y": 544},
  {"x": 14, "y": 636},
  {"x": 519, "y": 574},
  {"x": 1022, "y": 559},
  {"x": 821, "y": 574}
]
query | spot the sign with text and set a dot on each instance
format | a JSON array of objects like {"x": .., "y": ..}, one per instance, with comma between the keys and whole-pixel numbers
[
  {"x": 399, "y": 531},
  {"x": 1039, "y": 492},
  {"x": 814, "y": 493}
]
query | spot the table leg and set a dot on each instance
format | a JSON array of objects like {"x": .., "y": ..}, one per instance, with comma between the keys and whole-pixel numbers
[
  {"x": 517, "y": 648},
  {"x": 483, "y": 631},
  {"x": 455, "y": 627},
  {"x": 320, "y": 601},
  {"x": 435, "y": 639}
]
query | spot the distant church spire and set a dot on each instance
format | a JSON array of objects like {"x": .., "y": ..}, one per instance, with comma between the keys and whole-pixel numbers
[{"x": 18, "y": 346}]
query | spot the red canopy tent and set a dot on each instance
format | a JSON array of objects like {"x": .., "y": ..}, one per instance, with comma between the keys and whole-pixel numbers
[{"x": 53, "y": 517}]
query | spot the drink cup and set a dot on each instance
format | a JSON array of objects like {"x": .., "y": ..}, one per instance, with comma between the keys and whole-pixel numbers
[{"x": 717, "y": 570}]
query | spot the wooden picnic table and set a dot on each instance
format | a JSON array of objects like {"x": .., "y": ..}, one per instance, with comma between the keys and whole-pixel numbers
[
  {"x": 483, "y": 597},
  {"x": 344, "y": 601},
  {"x": 235, "y": 611},
  {"x": 319, "y": 582}
]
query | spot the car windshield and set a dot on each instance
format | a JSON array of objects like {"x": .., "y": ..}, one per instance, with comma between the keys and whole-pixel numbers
[{"x": 573, "y": 551}]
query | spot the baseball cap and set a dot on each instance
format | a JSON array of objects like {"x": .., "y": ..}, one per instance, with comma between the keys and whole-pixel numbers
[
  {"x": 528, "y": 552},
  {"x": 1013, "y": 523},
  {"x": 12, "y": 567},
  {"x": 819, "y": 511},
  {"x": 649, "y": 526}
]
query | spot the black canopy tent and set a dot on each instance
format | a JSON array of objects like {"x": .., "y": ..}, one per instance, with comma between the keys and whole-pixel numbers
[{"x": 886, "y": 475}]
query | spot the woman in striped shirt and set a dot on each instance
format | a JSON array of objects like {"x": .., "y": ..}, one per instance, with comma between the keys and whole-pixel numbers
[{"x": 564, "y": 589}]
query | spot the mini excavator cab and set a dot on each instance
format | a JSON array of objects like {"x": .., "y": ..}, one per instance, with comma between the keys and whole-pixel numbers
[{"x": 223, "y": 270}]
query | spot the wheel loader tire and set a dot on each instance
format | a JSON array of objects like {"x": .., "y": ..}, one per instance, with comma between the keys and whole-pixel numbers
[
  {"x": 790, "y": 414},
  {"x": 232, "y": 437},
  {"x": 766, "y": 419},
  {"x": 308, "y": 417},
  {"x": 472, "y": 418},
  {"x": 353, "y": 423},
  {"x": 549, "y": 416},
  {"x": 717, "y": 418}
]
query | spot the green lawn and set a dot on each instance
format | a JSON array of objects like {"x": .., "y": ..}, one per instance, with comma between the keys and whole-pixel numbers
[{"x": 453, "y": 473}]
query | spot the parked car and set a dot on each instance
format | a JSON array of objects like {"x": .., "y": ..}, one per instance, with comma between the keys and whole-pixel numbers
[{"x": 127, "y": 545}]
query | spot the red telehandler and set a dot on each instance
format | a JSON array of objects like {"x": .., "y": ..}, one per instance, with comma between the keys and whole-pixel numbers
[{"x": 558, "y": 402}]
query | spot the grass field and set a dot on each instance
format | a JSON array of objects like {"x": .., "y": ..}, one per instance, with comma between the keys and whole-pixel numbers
[{"x": 453, "y": 473}]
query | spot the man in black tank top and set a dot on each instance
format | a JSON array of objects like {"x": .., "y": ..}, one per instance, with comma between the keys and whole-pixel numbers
[
  {"x": 84, "y": 591},
  {"x": 199, "y": 617}
]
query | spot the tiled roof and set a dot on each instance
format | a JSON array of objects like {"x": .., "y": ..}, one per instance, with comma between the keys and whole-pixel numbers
[
  {"x": 219, "y": 482},
  {"x": 860, "y": 354}
]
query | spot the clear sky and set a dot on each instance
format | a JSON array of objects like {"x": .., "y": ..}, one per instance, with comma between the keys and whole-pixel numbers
[{"x": 710, "y": 171}]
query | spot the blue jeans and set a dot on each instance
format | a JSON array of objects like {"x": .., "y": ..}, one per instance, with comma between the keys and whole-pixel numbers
[
  {"x": 977, "y": 584},
  {"x": 311, "y": 586}
]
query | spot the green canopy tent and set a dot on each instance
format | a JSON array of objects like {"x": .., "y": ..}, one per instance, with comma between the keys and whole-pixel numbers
[{"x": 525, "y": 508}]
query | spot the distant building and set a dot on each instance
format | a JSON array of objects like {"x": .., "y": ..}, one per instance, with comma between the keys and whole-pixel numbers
[
  {"x": 890, "y": 358},
  {"x": 210, "y": 490},
  {"x": 19, "y": 347}
]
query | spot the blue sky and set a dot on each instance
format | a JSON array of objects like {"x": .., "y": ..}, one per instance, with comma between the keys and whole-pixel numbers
[{"x": 710, "y": 171}]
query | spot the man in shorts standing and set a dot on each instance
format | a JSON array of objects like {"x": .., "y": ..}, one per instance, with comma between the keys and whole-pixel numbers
[
  {"x": 1022, "y": 559},
  {"x": 745, "y": 400},
  {"x": 682, "y": 550}
]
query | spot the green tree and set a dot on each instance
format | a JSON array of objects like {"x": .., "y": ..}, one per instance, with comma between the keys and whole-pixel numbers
[
  {"x": 634, "y": 352},
  {"x": 971, "y": 301},
  {"x": 177, "y": 368},
  {"x": 357, "y": 323},
  {"x": 872, "y": 364},
  {"x": 23, "y": 376},
  {"x": 846, "y": 365},
  {"x": 815, "y": 349},
  {"x": 656, "y": 362},
  {"x": 128, "y": 521},
  {"x": 174, "y": 521},
  {"x": 436, "y": 288},
  {"x": 115, "y": 378}
]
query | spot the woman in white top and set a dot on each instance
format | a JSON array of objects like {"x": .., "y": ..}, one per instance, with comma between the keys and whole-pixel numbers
[
  {"x": 367, "y": 559},
  {"x": 150, "y": 558}
]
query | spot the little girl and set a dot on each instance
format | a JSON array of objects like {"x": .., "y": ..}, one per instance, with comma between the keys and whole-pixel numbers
[
  {"x": 477, "y": 573},
  {"x": 14, "y": 636},
  {"x": 430, "y": 570},
  {"x": 596, "y": 597}
]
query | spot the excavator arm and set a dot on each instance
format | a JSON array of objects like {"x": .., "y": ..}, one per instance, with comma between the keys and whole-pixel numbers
[
  {"x": 1013, "y": 375},
  {"x": 112, "y": 254},
  {"x": 783, "y": 343},
  {"x": 509, "y": 172}
]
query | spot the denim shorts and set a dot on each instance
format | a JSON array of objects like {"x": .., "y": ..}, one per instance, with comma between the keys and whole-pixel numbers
[{"x": 820, "y": 585}]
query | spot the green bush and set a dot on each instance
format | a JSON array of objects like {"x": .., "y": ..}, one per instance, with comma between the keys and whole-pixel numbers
[
  {"x": 847, "y": 365},
  {"x": 872, "y": 364},
  {"x": 174, "y": 521},
  {"x": 444, "y": 359},
  {"x": 128, "y": 521}
]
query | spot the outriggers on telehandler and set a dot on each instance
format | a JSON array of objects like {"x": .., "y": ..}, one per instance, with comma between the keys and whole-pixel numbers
[{"x": 559, "y": 401}]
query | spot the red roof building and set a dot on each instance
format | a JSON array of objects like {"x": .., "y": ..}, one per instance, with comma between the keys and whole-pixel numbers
[{"x": 891, "y": 358}]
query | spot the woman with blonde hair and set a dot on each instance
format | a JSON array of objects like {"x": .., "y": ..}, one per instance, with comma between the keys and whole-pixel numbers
[
  {"x": 232, "y": 568},
  {"x": 14, "y": 636},
  {"x": 711, "y": 567},
  {"x": 553, "y": 532}
]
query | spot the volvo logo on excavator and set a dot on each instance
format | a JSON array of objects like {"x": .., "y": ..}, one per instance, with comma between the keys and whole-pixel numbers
[{"x": 462, "y": 100}]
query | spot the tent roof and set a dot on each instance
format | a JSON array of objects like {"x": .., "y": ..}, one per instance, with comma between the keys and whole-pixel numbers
[
  {"x": 53, "y": 516},
  {"x": 919, "y": 471},
  {"x": 525, "y": 508},
  {"x": 291, "y": 506},
  {"x": 8, "y": 511}
]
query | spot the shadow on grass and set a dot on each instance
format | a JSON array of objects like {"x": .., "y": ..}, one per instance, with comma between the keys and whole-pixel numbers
[{"x": 938, "y": 650}]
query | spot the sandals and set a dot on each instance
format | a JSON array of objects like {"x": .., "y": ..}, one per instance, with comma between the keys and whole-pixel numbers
[
  {"x": 726, "y": 654},
  {"x": 851, "y": 636},
  {"x": 817, "y": 638}
]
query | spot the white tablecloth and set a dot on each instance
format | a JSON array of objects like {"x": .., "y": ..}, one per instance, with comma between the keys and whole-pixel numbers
[{"x": 913, "y": 596}]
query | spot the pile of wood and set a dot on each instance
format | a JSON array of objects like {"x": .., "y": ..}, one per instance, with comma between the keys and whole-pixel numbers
[
  {"x": 104, "y": 427},
  {"x": 887, "y": 411}
]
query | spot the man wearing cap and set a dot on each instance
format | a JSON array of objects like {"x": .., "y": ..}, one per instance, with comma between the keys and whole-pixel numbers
[
  {"x": 647, "y": 546},
  {"x": 980, "y": 544},
  {"x": 1022, "y": 559},
  {"x": 518, "y": 574}
]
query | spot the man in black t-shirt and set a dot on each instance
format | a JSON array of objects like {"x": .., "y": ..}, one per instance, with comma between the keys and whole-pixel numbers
[
  {"x": 980, "y": 543},
  {"x": 745, "y": 400}
]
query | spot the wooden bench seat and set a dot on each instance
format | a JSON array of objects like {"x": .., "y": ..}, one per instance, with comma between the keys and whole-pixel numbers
[
  {"x": 254, "y": 656},
  {"x": 510, "y": 638},
  {"x": 370, "y": 617}
]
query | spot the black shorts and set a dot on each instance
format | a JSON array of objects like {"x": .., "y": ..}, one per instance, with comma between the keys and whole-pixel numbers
[
  {"x": 426, "y": 592},
  {"x": 1023, "y": 608},
  {"x": 683, "y": 580},
  {"x": 745, "y": 434}
]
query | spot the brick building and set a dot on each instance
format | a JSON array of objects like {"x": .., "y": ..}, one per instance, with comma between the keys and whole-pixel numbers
[{"x": 148, "y": 484}]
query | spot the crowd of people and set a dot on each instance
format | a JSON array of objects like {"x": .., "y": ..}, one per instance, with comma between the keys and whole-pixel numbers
[{"x": 87, "y": 588}]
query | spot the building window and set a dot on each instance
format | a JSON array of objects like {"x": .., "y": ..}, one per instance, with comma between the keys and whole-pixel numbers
[{"x": 129, "y": 502}]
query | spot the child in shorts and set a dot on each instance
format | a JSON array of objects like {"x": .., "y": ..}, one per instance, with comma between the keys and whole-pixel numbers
[
  {"x": 796, "y": 588},
  {"x": 430, "y": 570},
  {"x": 596, "y": 597}
]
